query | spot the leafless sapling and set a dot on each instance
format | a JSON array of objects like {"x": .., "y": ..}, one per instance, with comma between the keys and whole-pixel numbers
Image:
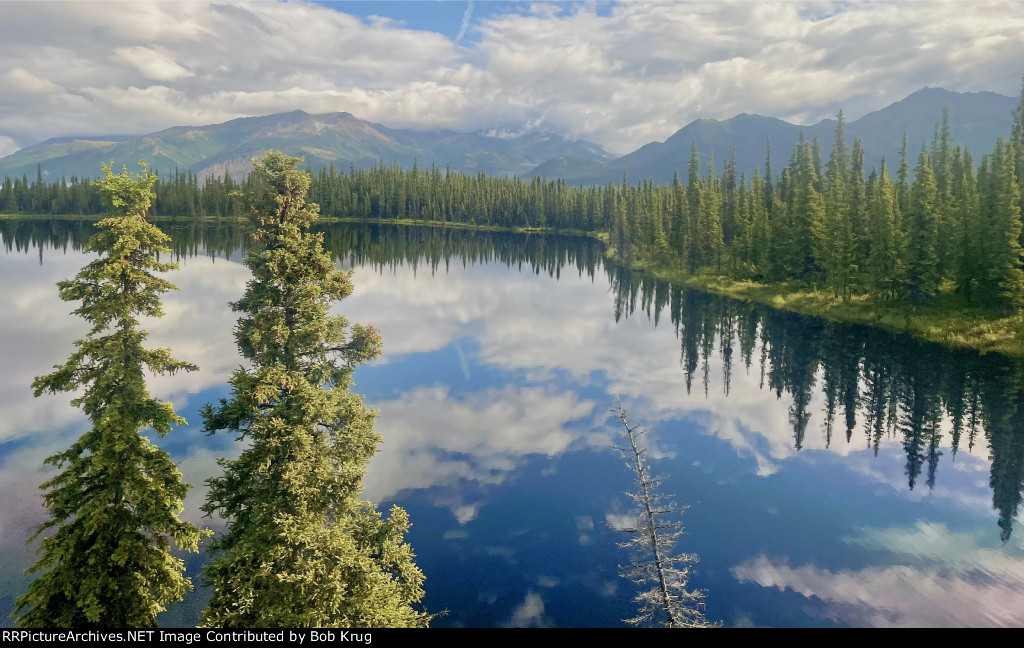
[{"x": 654, "y": 530}]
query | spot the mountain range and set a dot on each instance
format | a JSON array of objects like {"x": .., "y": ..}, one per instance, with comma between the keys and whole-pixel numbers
[
  {"x": 341, "y": 139},
  {"x": 977, "y": 119},
  {"x": 333, "y": 138}
]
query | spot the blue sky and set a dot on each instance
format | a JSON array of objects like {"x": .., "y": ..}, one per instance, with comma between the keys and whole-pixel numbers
[
  {"x": 618, "y": 74},
  {"x": 448, "y": 17},
  {"x": 442, "y": 16}
]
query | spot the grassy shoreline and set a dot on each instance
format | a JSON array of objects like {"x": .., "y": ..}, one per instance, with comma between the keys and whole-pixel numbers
[{"x": 983, "y": 331}]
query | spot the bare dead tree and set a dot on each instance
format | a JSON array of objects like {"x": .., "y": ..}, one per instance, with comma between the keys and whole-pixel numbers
[{"x": 654, "y": 530}]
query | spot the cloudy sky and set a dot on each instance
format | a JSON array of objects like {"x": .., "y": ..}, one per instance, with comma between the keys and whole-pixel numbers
[{"x": 620, "y": 74}]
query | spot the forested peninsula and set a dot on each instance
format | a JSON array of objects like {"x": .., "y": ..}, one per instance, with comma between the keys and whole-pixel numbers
[{"x": 930, "y": 244}]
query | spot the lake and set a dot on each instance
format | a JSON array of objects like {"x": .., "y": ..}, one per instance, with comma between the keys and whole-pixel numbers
[{"x": 835, "y": 475}]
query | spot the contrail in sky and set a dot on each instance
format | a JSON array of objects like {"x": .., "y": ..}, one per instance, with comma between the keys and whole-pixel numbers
[{"x": 466, "y": 17}]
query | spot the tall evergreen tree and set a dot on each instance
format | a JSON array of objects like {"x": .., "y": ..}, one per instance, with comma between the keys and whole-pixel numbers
[
  {"x": 857, "y": 193},
  {"x": 1008, "y": 257},
  {"x": 886, "y": 271},
  {"x": 834, "y": 240},
  {"x": 677, "y": 234},
  {"x": 839, "y": 158},
  {"x": 730, "y": 198},
  {"x": 694, "y": 200},
  {"x": 921, "y": 227},
  {"x": 971, "y": 232},
  {"x": 115, "y": 503},
  {"x": 947, "y": 226},
  {"x": 709, "y": 219},
  {"x": 622, "y": 231},
  {"x": 903, "y": 177},
  {"x": 816, "y": 161},
  {"x": 743, "y": 243},
  {"x": 808, "y": 208},
  {"x": 1017, "y": 139},
  {"x": 760, "y": 226},
  {"x": 302, "y": 548}
]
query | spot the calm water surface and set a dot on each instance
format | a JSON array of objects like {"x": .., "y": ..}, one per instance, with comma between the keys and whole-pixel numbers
[{"x": 835, "y": 475}]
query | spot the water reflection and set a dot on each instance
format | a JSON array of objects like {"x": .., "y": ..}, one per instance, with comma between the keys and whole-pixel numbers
[
  {"x": 917, "y": 393},
  {"x": 936, "y": 572},
  {"x": 818, "y": 458}
]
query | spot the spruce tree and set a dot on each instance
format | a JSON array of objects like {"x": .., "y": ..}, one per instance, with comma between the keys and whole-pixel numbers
[
  {"x": 709, "y": 220},
  {"x": 115, "y": 503},
  {"x": 902, "y": 177},
  {"x": 834, "y": 239},
  {"x": 947, "y": 216},
  {"x": 760, "y": 236},
  {"x": 857, "y": 200},
  {"x": 302, "y": 548},
  {"x": 677, "y": 234},
  {"x": 742, "y": 243},
  {"x": 885, "y": 263},
  {"x": 808, "y": 207},
  {"x": 921, "y": 235},
  {"x": 694, "y": 202},
  {"x": 969, "y": 264},
  {"x": 1008, "y": 258},
  {"x": 1017, "y": 139},
  {"x": 730, "y": 198},
  {"x": 623, "y": 235}
]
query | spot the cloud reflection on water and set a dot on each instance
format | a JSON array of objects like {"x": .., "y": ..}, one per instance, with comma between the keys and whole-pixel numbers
[{"x": 935, "y": 578}]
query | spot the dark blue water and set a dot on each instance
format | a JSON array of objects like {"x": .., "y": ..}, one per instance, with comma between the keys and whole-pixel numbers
[{"x": 834, "y": 475}]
